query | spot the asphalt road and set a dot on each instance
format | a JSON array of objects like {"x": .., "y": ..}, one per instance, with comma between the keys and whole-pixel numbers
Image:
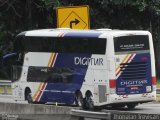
[
  {"x": 147, "y": 111},
  {"x": 146, "y": 108}
]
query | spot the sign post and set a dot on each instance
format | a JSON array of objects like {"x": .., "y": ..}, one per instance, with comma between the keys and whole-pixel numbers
[{"x": 74, "y": 17}]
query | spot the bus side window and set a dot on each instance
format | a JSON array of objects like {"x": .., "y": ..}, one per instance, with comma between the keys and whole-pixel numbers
[
  {"x": 16, "y": 72},
  {"x": 54, "y": 78},
  {"x": 19, "y": 60}
]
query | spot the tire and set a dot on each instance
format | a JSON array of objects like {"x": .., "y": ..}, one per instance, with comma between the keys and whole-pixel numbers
[
  {"x": 88, "y": 102},
  {"x": 79, "y": 99},
  {"x": 118, "y": 106},
  {"x": 28, "y": 96},
  {"x": 131, "y": 106}
]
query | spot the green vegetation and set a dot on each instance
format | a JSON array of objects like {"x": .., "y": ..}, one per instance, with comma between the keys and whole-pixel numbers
[
  {"x": 21, "y": 15},
  {"x": 158, "y": 97},
  {"x": 158, "y": 83},
  {"x": 158, "y": 86}
]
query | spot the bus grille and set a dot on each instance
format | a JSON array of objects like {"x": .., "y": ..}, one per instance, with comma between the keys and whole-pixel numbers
[
  {"x": 102, "y": 92},
  {"x": 133, "y": 71}
]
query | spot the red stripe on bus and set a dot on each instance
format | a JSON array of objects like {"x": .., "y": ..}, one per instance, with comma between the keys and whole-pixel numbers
[
  {"x": 43, "y": 87},
  {"x": 153, "y": 80},
  {"x": 125, "y": 62},
  {"x": 129, "y": 58},
  {"x": 37, "y": 99},
  {"x": 53, "y": 60},
  {"x": 118, "y": 72}
]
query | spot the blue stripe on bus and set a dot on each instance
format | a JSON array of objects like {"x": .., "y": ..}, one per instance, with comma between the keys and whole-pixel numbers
[
  {"x": 83, "y": 34},
  {"x": 65, "y": 92}
]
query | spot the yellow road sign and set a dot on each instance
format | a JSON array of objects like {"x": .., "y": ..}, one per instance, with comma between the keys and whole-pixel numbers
[{"x": 75, "y": 17}]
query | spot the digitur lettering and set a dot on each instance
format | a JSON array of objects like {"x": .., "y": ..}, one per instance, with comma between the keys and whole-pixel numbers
[{"x": 88, "y": 61}]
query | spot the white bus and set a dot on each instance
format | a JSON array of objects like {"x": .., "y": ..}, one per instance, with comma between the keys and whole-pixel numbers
[{"x": 89, "y": 68}]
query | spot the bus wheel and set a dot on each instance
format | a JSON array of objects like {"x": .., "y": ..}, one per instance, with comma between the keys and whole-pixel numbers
[
  {"x": 88, "y": 102},
  {"x": 131, "y": 106},
  {"x": 79, "y": 99},
  {"x": 118, "y": 106},
  {"x": 28, "y": 96}
]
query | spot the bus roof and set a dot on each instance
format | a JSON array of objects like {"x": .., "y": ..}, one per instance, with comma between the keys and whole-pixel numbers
[{"x": 66, "y": 32}]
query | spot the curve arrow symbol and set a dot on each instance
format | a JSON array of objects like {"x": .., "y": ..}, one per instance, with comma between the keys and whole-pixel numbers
[{"x": 76, "y": 21}]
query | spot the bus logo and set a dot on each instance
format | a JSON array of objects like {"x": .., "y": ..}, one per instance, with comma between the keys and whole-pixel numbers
[
  {"x": 137, "y": 82},
  {"x": 88, "y": 61}
]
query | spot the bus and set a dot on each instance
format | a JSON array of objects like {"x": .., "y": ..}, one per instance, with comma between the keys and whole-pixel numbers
[{"x": 86, "y": 68}]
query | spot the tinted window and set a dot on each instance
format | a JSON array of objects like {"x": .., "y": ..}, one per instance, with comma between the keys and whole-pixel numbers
[
  {"x": 131, "y": 43},
  {"x": 16, "y": 72},
  {"x": 62, "y": 45},
  {"x": 51, "y": 75}
]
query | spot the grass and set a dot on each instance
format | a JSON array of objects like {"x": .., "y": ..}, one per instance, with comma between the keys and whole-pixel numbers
[
  {"x": 158, "y": 97},
  {"x": 158, "y": 86},
  {"x": 158, "y": 83}
]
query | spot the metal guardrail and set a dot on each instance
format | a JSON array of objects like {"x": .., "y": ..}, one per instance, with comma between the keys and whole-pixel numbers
[
  {"x": 5, "y": 87},
  {"x": 158, "y": 90},
  {"x": 5, "y": 82},
  {"x": 91, "y": 114}
]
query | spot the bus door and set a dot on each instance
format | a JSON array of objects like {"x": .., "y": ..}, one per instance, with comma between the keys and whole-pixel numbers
[{"x": 133, "y": 65}]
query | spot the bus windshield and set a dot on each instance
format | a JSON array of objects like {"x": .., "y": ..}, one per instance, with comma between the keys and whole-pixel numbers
[{"x": 131, "y": 43}]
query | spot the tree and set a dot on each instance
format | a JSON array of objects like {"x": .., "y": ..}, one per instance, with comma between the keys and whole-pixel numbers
[{"x": 21, "y": 15}]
